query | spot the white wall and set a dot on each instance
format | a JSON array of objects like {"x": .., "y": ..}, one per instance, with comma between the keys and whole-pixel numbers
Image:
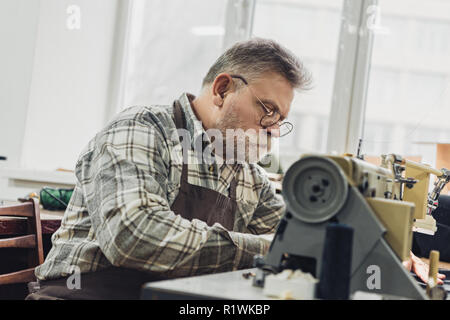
[
  {"x": 18, "y": 30},
  {"x": 56, "y": 83},
  {"x": 70, "y": 83}
]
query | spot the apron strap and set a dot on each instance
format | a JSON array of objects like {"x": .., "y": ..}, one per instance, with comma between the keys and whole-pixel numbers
[
  {"x": 180, "y": 122},
  {"x": 233, "y": 187}
]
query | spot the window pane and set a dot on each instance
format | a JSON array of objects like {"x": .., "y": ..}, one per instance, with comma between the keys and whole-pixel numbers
[
  {"x": 173, "y": 44},
  {"x": 310, "y": 29},
  {"x": 408, "y": 101}
]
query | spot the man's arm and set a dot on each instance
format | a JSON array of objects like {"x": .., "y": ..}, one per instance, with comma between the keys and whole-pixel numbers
[
  {"x": 270, "y": 209},
  {"x": 125, "y": 185}
]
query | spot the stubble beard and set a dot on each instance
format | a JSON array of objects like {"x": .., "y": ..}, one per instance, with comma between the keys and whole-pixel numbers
[{"x": 241, "y": 146}]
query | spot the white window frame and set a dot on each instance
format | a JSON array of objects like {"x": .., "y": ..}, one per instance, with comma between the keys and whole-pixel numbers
[
  {"x": 117, "y": 83},
  {"x": 346, "y": 124},
  {"x": 352, "y": 67}
]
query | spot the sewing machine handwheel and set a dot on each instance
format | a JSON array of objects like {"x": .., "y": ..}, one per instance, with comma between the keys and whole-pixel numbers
[{"x": 314, "y": 189}]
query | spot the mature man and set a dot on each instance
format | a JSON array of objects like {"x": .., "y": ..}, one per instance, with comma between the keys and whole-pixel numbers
[
  {"x": 173, "y": 191},
  {"x": 139, "y": 214}
]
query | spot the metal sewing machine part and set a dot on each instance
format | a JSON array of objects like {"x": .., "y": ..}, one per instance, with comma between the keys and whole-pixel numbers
[
  {"x": 439, "y": 184},
  {"x": 408, "y": 174},
  {"x": 324, "y": 189},
  {"x": 433, "y": 271}
]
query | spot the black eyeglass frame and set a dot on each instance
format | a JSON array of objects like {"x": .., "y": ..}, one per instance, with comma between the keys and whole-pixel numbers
[{"x": 289, "y": 126}]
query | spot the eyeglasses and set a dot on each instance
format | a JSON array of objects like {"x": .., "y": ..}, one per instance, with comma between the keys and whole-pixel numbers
[{"x": 272, "y": 117}]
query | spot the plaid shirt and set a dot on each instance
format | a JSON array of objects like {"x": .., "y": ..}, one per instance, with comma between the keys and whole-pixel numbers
[{"x": 119, "y": 214}]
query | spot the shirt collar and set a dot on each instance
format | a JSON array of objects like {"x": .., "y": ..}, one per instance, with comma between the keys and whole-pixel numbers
[{"x": 193, "y": 124}]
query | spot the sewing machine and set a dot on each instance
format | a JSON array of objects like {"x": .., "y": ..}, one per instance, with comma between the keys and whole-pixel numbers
[
  {"x": 320, "y": 189},
  {"x": 425, "y": 202},
  {"x": 381, "y": 203}
]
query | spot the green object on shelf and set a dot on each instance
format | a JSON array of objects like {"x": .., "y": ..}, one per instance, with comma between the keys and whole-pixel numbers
[{"x": 55, "y": 199}]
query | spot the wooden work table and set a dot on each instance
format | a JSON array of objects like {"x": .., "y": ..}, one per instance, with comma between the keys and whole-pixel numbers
[
  {"x": 14, "y": 226},
  {"x": 50, "y": 222},
  {"x": 13, "y": 259}
]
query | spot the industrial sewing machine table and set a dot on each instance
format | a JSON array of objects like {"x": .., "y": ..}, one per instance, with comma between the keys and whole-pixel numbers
[
  {"x": 222, "y": 286},
  {"x": 225, "y": 286}
]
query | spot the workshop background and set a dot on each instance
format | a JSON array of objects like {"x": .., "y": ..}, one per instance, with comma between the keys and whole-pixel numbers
[{"x": 380, "y": 69}]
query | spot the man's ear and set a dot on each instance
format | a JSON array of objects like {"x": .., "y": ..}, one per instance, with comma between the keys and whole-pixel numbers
[{"x": 221, "y": 86}]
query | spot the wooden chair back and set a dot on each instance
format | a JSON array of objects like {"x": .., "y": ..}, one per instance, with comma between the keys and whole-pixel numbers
[{"x": 31, "y": 240}]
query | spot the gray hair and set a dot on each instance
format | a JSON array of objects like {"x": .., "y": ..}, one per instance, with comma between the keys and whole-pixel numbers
[{"x": 256, "y": 56}]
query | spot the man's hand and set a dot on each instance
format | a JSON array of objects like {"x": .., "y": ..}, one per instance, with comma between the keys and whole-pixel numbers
[{"x": 421, "y": 269}]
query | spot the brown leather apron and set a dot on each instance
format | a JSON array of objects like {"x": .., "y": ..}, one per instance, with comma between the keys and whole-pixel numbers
[
  {"x": 192, "y": 202},
  {"x": 196, "y": 202}
]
